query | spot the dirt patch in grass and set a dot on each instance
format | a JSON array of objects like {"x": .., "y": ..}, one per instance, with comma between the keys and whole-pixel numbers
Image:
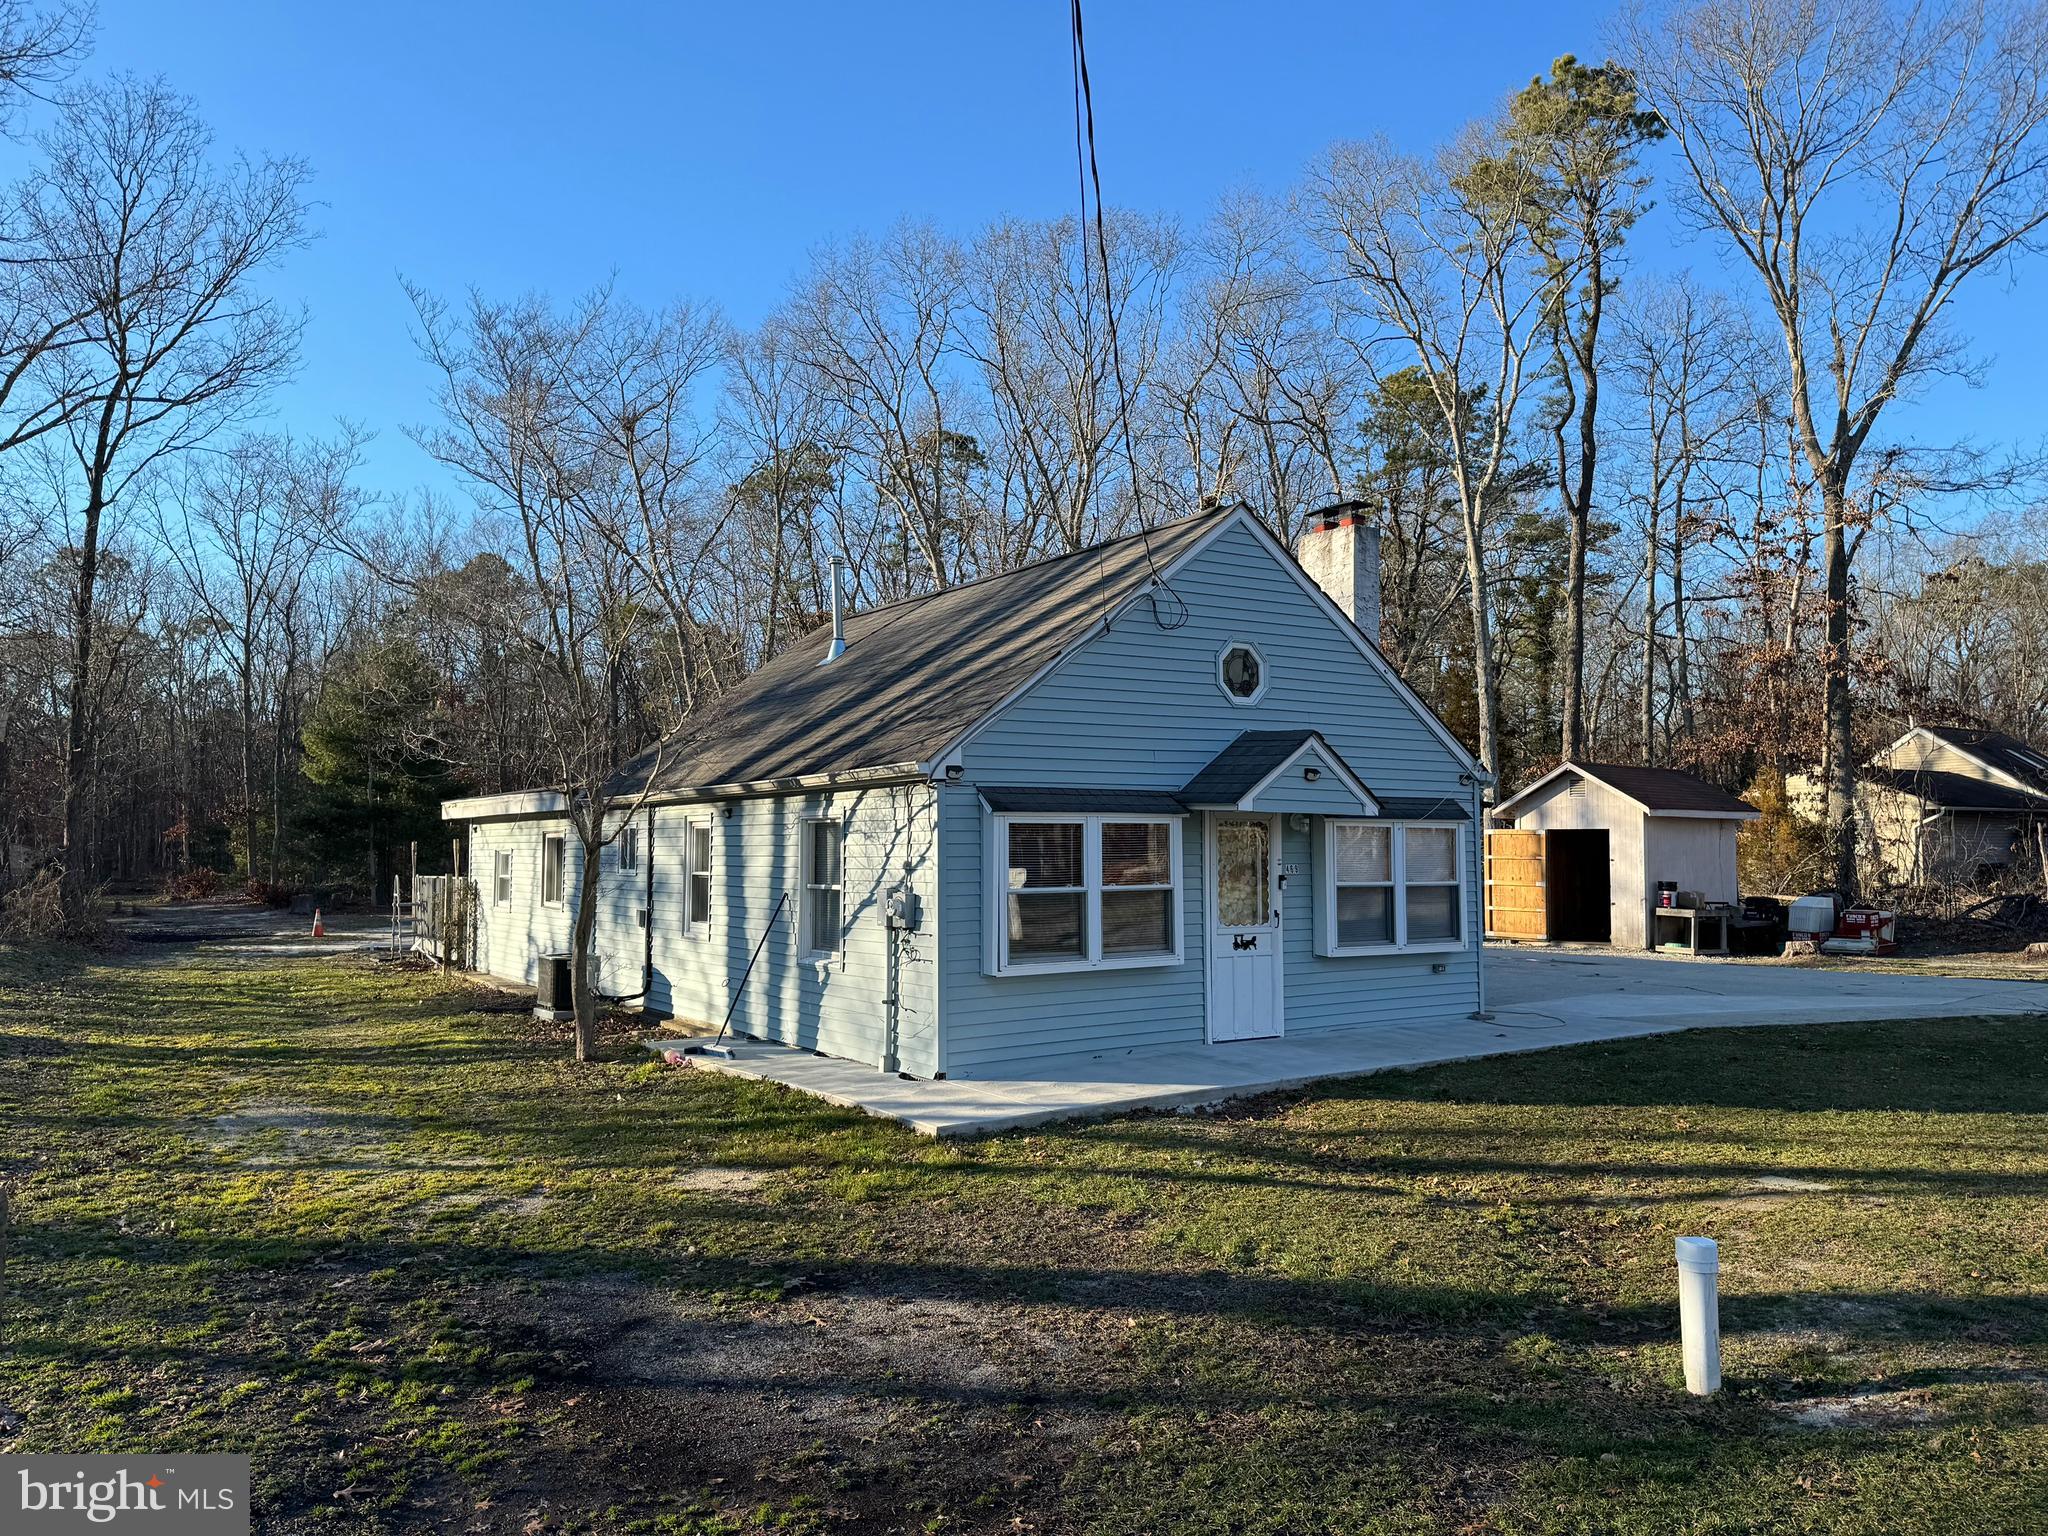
[
  {"x": 722, "y": 1181},
  {"x": 270, "y": 1135},
  {"x": 1862, "y": 1410}
]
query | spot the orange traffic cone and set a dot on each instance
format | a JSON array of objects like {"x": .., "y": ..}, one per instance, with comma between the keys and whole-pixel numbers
[{"x": 319, "y": 928}]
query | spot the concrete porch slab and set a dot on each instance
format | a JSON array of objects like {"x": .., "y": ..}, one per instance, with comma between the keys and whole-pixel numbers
[
  {"x": 1543, "y": 1000},
  {"x": 1116, "y": 1082}
]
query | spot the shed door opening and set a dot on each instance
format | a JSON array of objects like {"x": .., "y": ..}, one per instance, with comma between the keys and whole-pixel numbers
[{"x": 1581, "y": 909}]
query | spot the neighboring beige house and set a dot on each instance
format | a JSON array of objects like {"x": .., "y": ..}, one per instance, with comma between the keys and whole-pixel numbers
[{"x": 1947, "y": 804}]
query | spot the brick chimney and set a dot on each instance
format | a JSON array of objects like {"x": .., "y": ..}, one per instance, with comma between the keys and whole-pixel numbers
[{"x": 1339, "y": 547}]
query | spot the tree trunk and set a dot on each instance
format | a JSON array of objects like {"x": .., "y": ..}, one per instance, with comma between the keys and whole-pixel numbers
[
  {"x": 78, "y": 732},
  {"x": 580, "y": 934},
  {"x": 1573, "y": 743},
  {"x": 1578, "y": 503},
  {"x": 1486, "y": 691},
  {"x": 248, "y": 765},
  {"x": 1682, "y": 679},
  {"x": 1650, "y": 641},
  {"x": 1838, "y": 724}
]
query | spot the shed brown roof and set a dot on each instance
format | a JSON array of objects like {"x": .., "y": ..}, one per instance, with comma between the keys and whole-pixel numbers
[
  {"x": 1667, "y": 789},
  {"x": 1660, "y": 791}
]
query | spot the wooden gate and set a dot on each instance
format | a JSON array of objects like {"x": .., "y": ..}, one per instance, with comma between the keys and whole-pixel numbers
[
  {"x": 444, "y": 918},
  {"x": 1517, "y": 898}
]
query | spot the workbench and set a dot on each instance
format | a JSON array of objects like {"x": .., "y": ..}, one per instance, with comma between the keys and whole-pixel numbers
[{"x": 1693, "y": 920}]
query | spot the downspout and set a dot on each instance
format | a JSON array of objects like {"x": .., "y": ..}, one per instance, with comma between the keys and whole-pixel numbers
[
  {"x": 647, "y": 920},
  {"x": 892, "y": 1017}
]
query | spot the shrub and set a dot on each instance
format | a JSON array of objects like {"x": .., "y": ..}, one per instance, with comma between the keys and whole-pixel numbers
[
  {"x": 33, "y": 913},
  {"x": 271, "y": 893},
  {"x": 195, "y": 884},
  {"x": 1781, "y": 852}
]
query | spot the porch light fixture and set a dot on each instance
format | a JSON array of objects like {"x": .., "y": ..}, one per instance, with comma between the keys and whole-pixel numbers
[{"x": 1311, "y": 774}]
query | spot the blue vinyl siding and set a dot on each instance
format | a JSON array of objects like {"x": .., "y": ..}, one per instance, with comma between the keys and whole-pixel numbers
[
  {"x": 1327, "y": 796},
  {"x": 1139, "y": 708},
  {"x": 511, "y": 937},
  {"x": 1335, "y": 992},
  {"x": 998, "y": 1019},
  {"x": 839, "y": 1006}
]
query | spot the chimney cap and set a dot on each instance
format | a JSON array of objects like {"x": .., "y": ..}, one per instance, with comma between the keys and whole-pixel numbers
[{"x": 1339, "y": 513}]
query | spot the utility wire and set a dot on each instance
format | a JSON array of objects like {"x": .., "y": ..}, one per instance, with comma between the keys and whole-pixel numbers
[{"x": 1084, "y": 126}]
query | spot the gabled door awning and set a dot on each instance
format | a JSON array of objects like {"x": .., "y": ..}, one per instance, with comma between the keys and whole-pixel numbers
[{"x": 1280, "y": 771}]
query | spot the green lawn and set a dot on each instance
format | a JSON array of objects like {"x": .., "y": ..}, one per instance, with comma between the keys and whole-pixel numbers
[{"x": 377, "y": 1230}]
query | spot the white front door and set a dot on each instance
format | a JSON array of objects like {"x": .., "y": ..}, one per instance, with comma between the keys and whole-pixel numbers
[{"x": 1244, "y": 927}]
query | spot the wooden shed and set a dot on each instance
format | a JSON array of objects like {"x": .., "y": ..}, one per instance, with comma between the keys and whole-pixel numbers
[{"x": 1576, "y": 856}]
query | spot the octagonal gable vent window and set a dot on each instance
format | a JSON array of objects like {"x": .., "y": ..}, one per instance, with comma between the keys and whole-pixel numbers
[{"x": 1241, "y": 673}]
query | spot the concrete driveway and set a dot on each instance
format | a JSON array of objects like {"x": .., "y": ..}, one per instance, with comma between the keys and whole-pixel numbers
[
  {"x": 1564, "y": 989},
  {"x": 243, "y": 927},
  {"x": 1539, "y": 998}
]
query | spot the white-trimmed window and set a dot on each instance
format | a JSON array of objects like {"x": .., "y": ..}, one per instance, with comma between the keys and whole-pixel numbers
[
  {"x": 697, "y": 877},
  {"x": 1362, "y": 870},
  {"x": 629, "y": 847},
  {"x": 554, "y": 850},
  {"x": 1083, "y": 892},
  {"x": 1391, "y": 886},
  {"x": 824, "y": 888},
  {"x": 1241, "y": 672},
  {"x": 501, "y": 878}
]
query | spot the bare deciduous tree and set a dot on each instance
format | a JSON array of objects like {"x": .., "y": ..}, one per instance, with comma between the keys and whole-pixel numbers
[
  {"x": 155, "y": 251},
  {"x": 1037, "y": 326},
  {"x": 1864, "y": 161},
  {"x": 513, "y": 427},
  {"x": 1441, "y": 262}
]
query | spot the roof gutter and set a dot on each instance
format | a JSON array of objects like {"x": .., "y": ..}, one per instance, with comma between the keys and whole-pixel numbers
[
  {"x": 521, "y": 802},
  {"x": 552, "y": 802},
  {"x": 757, "y": 789}
]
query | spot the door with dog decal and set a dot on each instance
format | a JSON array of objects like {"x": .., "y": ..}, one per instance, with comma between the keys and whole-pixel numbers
[{"x": 1244, "y": 927}]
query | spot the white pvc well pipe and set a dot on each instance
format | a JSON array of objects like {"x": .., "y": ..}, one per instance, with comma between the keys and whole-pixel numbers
[{"x": 1699, "y": 1313}]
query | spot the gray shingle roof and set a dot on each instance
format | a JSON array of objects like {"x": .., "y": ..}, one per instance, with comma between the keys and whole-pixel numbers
[
  {"x": 1129, "y": 802},
  {"x": 1424, "y": 808},
  {"x": 1248, "y": 759},
  {"x": 2004, "y": 752},
  {"x": 916, "y": 673},
  {"x": 1954, "y": 791}
]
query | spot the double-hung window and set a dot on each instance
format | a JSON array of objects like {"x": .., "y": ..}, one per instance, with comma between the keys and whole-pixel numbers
[
  {"x": 1083, "y": 892},
  {"x": 1391, "y": 886},
  {"x": 629, "y": 847},
  {"x": 697, "y": 877},
  {"x": 824, "y": 887},
  {"x": 1362, "y": 862},
  {"x": 553, "y": 858},
  {"x": 1431, "y": 890},
  {"x": 501, "y": 878}
]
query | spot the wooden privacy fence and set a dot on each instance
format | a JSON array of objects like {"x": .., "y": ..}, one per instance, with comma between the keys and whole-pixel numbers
[
  {"x": 444, "y": 919},
  {"x": 1517, "y": 895}
]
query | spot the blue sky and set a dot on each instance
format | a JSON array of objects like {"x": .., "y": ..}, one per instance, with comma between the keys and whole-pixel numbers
[{"x": 702, "y": 151}]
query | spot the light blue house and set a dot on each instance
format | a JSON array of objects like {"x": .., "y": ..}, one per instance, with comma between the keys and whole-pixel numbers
[{"x": 1160, "y": 792}]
